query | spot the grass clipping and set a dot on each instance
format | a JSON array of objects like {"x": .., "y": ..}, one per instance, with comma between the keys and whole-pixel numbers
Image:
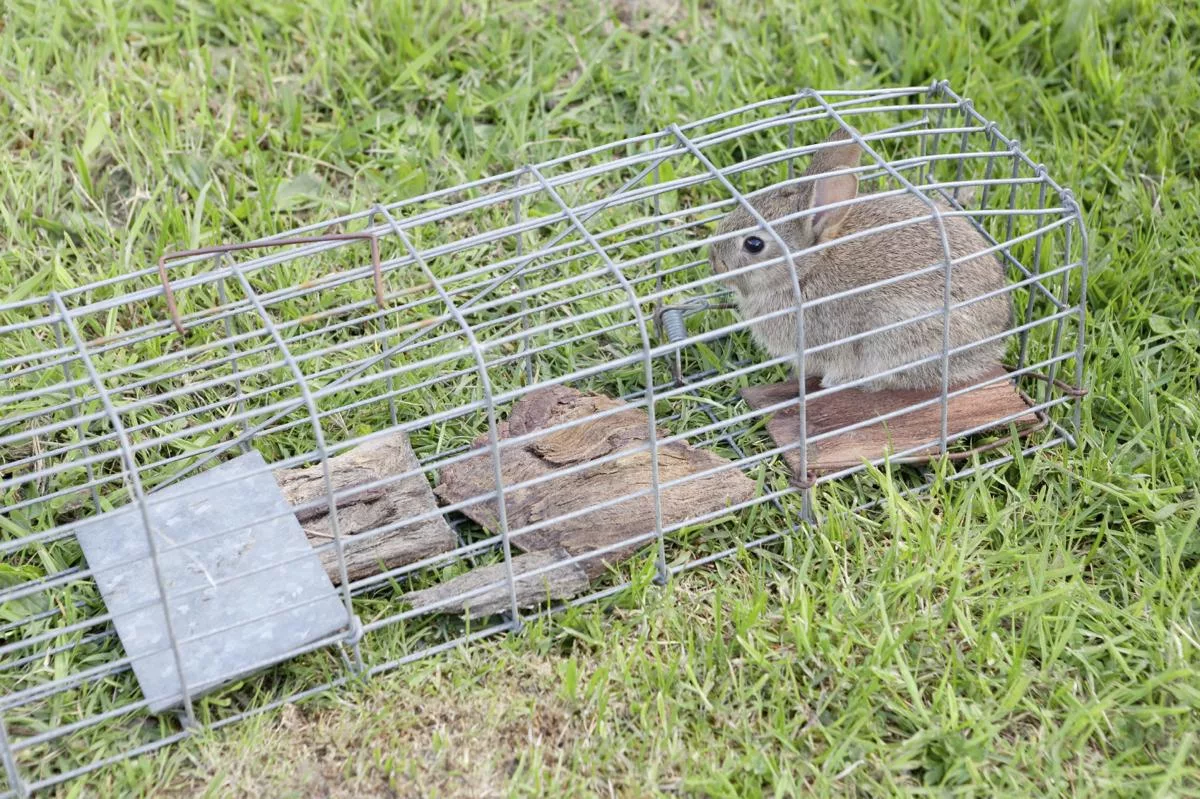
[{"x": 599, "y": 536}]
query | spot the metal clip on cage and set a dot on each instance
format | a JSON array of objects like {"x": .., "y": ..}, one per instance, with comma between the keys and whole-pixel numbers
[{"x": 529, "y": 336}]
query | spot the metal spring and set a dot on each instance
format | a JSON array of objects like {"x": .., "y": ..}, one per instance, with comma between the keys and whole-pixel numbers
[{"x": 672, "y": 325}]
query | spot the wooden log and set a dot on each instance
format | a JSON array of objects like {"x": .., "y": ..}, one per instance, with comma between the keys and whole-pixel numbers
[
  {"x": 560, "y": 583},
  {"x": 979, "y": 407},
  {"x": 593, "y": 529},
  {"x": 369, "y": 509}
]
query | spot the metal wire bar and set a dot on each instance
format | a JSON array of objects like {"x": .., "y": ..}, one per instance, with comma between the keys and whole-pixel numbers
[
  {"x": 647, "y": 364},
  {"x": 76, "y": 407},
  {"x": 797, "y": 294},
  {"x": 319, "y": 435},
  {"x": 135, "y": 486},
  {"x": 940, "y": 224},
  {"x": 10, "y": 765},
  {"x": 1080, "y": 331},
  {"x": 485, "y": 383},
  {"x": 233, "y": 361},
  {"x": 1037, "y": 268},
  {"x": 1056, "y": 346},
  {"x": 519, "y": 241}
]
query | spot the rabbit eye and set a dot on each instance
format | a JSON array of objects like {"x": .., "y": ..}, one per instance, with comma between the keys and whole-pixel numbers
[{"x": 754, "y": 244}]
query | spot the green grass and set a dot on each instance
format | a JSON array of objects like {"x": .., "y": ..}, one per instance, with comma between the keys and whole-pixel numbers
[{"x": 1031, "y": 632}]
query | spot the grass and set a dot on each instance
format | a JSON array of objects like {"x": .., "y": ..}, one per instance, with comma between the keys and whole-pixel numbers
[{"x": 1031, "y": 632}]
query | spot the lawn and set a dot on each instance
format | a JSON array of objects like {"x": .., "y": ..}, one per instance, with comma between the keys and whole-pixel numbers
[{"x": 1033, "y": 631}]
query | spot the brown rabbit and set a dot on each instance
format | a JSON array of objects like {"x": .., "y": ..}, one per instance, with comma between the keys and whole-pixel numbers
[{"x": 874, "y": 257}]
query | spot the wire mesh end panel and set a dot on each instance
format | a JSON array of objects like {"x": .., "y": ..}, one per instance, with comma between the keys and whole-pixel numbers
[{"x": 251, "y": 472}]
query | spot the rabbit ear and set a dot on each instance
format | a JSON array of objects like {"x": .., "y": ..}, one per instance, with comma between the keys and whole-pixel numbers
[{"x": 837, "y": 188}]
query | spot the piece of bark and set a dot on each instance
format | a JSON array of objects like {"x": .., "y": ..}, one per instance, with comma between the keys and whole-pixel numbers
[
  {"x": 563, "y": 494},
  {"x": 980, "y": 407},
  {"x": 560, "y": 583},
  {"x": 369, "y": 509}
]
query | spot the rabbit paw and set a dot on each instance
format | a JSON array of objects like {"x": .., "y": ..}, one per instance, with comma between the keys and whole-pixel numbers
[{"x": 833, "y": 379}]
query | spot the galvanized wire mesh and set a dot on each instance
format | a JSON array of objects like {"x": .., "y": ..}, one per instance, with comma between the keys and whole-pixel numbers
[{"x": 432, "y": 317}]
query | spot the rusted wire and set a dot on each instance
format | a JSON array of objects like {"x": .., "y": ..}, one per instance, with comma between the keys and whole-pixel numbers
[{"x": 217, "y": 249}]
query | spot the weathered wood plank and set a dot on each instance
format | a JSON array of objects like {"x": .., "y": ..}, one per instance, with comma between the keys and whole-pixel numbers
[
  {"x": 369, "y": 509},
  {"x": 558, "y": 583},
  {"x": 977, "y": 408},
  {"x": 593, "y": 529}
]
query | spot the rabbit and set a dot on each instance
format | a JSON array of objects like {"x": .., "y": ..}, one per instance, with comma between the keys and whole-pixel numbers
[{"x": 851, "y": 264}]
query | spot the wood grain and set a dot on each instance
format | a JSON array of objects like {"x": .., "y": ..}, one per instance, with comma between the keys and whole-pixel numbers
[
  {"x": 979, "y": 407},
  {"x": 559, "y": 583},
  {"x": 593, "y": 529},
  {"x": 370, "y": 509}
]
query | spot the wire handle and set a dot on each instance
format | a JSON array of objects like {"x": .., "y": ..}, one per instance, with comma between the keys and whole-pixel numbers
[{"x": 216, "y": 249}]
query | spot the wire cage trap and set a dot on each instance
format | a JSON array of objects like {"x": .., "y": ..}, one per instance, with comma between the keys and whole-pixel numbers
[{"x": 367, "y": 441}]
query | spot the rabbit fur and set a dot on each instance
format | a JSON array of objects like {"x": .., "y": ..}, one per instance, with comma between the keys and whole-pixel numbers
[{"x": 860, "y": 262}]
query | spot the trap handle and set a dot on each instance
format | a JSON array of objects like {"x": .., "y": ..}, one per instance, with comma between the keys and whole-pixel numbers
[{"x": 217, "y": 249}]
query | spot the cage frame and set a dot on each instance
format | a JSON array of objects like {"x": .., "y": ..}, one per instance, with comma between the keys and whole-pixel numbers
[{"x": 159, "y": 286}]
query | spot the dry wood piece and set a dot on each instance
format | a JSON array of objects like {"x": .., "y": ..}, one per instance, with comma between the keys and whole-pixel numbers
[
  {"x": 370, "y": 509},
  {"x": 563, "y": 494},
  {"x": 977, "y": 408},
  {"x": 561, "y": 582}
]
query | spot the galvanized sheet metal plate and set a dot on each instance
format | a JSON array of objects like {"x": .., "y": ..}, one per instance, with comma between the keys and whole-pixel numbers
[{"x": 241, "y": 596}]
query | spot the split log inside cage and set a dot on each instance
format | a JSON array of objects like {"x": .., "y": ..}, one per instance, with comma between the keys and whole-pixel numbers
[
  {"x": 484, "y": 591},
  {"x": 597, "y": 536},
  {"x": 848, "y": 447},
  {"x": 380, "y": 510}
]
